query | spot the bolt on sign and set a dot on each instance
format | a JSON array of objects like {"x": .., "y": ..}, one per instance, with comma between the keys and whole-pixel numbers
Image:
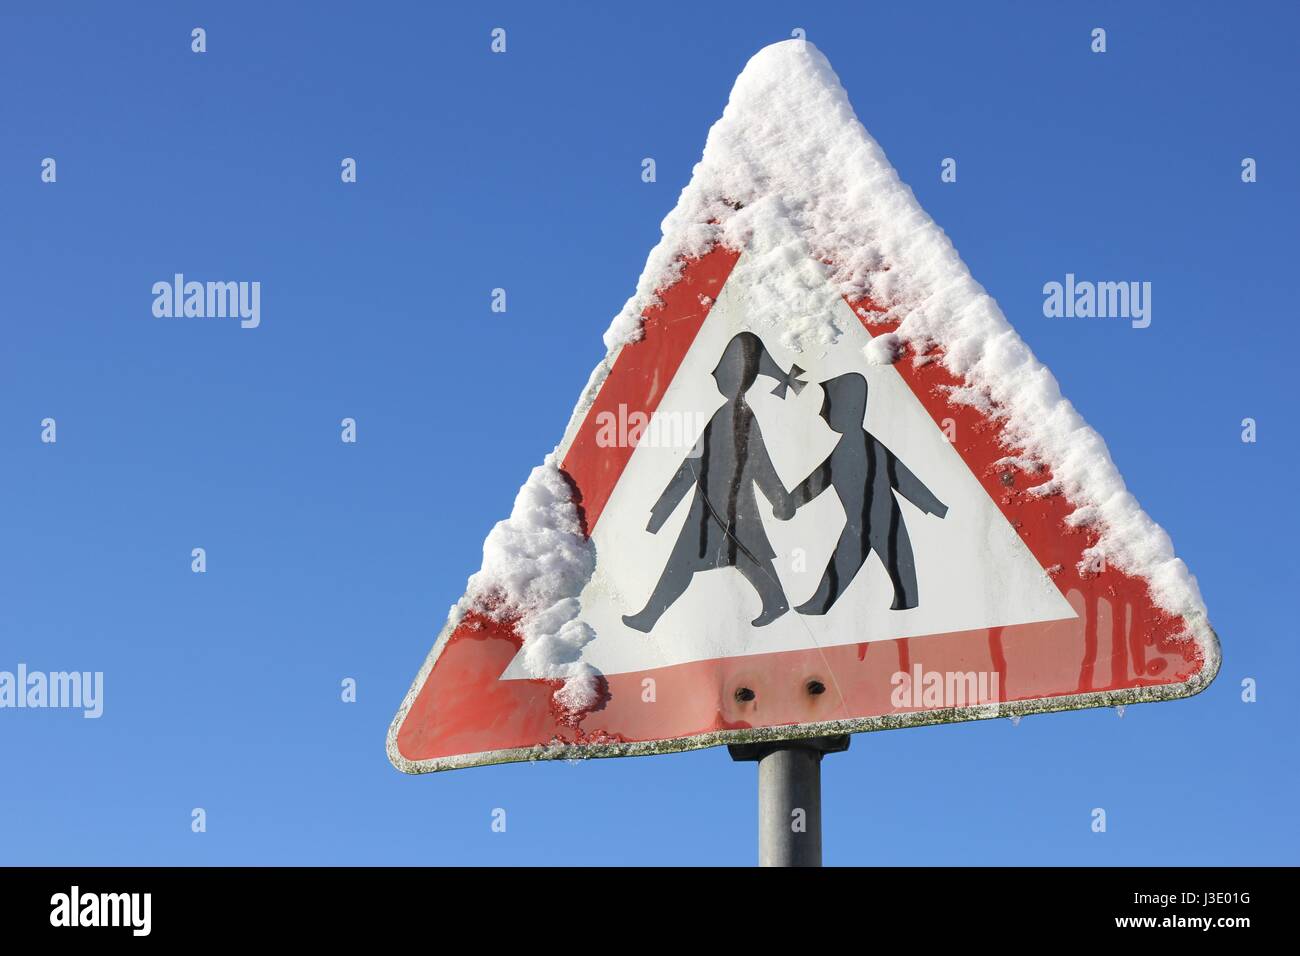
[{"x": 817, "y": 486}]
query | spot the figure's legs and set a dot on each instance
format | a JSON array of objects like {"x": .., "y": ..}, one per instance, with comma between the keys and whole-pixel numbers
[
  {"x": 895, "y": 551},
  {"x": 672, "y": 585},
  {"x": 768, "y": 585},
  {"x": 850, "y": 554}
]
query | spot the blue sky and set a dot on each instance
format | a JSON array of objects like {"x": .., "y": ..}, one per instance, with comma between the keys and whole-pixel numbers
[{"x": 522, "y": 171}]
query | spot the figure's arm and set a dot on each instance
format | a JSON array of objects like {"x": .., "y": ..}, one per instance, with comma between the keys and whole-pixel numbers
[
  {"x": 813, "y": 485},
  {"x": 681, "y": 482},
  {"x": 768, "y": 481},
  {"x": 908, "y": 485}
]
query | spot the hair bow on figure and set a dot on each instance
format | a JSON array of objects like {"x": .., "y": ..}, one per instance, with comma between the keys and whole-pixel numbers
[{"x": 768, "y": 366}]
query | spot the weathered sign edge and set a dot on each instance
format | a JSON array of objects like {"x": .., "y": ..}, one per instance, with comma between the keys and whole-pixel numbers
[{"x": 948, "y": 715}]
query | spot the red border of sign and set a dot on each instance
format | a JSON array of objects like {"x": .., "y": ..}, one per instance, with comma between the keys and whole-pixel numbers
[{"x": 1122, "y": 649}]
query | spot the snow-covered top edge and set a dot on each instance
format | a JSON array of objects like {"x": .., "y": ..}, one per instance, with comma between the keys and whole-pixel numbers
[{"x": 790, "y": 174}]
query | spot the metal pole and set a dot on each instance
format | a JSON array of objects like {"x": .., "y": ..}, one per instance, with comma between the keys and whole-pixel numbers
[
  {"x": 790, "y": 808},
  {"x": 790, "y": 797}
]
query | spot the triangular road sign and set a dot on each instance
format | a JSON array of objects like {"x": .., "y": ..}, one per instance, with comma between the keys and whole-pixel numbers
[{"x": 818, "y": 485}]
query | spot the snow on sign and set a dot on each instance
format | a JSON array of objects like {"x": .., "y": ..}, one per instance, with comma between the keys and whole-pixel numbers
[{"x": 818, "y": 485}]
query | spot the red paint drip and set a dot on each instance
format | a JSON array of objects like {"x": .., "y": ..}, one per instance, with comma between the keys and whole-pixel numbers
[{"x": 999, "y": 658}]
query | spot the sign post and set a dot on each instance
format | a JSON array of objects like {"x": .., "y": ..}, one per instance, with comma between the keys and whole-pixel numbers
[{"x": 790, "y": 797}]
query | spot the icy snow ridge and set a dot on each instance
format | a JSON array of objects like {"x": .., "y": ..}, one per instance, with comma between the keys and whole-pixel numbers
[{"x": 535, "y": 564}]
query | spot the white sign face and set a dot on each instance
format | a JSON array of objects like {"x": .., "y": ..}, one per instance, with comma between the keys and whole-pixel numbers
[{"x": 972, "y": 571}]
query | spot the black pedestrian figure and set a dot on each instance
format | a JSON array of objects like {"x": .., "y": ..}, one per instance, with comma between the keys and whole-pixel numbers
[
  {"x": 723, "y": 528},
  {"x": 864, "y": 473}
]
